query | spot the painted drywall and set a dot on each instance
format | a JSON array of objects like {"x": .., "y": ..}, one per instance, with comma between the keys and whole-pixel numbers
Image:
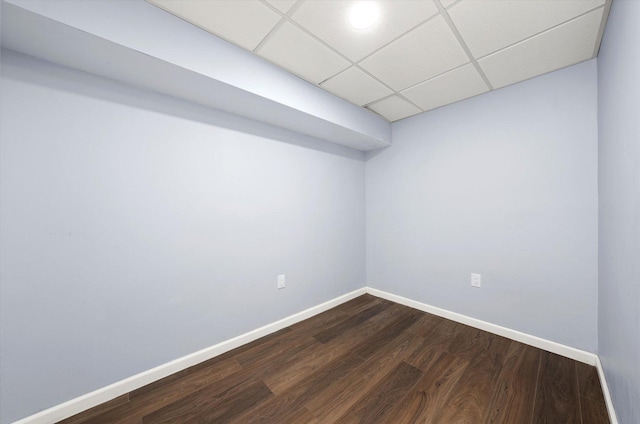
[
  {"x": 136, "y": 229},
  {"x": 619, "y": 208},
  {"x": 504, "y": 185}
]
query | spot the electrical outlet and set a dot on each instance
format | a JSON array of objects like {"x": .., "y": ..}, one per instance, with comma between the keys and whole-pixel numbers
[
  {"x": 476, "y": 280},
  {"x": 281, "y": 281}
]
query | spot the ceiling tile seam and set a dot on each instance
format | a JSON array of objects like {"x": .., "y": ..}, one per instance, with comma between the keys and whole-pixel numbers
[
  {"x": 373, "y": 111},
  {"x": 453, "y": 4},
  {"x": 393, "y": 91},
  {"x": 544, "y": 31},
  {"x": 365, "y": 104},
  {"x": 341, "y": 96},
  {"x": 603, "y": 24},
  {"x": 288, "y": 19},
  {"x": 463, "y": 44},
  {"x": 292, "y": 9},
  {"x": 397, "y": 94},
  {"x": 402, "y": 96},
  {"x": 429, "y": 19},
  {"x": 374, "y": 77},
  {"x": 336, "y": 74},
  {"x": 284, "y": 17},
  {"x": 434, "y": 77},
  {"x": 357, "y": 63},
  {"x": 542, "y": 74},
  {"x": 273, "y": 30},
  {"x": 380, "y": 99}
]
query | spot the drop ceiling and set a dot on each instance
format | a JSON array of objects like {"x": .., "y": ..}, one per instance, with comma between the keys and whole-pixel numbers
[{"x": 420, "y": 55}]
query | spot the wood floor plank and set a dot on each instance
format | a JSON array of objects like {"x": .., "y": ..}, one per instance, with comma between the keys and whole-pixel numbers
[
  {"x": 430, "y": 323},
  {"x": 425, "y": 355},
  {"x": 191, "y": 379},
  {"x": 193, "y": 385},
  {"x": 392, "y": 312},
  {"x": 593, "y": 411},
  {"x": 335, "y": 330},
  {"x": 334, "y": 402},
  {"x": 425, "y": 323},
  {"x": 377, "y": 301},
  {"x": 301, "y": 416},
  {"x": 128, "y": 414},
  {"x": 386, "y": 334},
  {"x": 369, "y": 360},
  {"x": 273, "y": 348},
  {"x": 439, "y": 332},
  {"x": 330, "y": 317},
  {"x": 354, "y": 306},
  {"x": 469, "y": 341},
  {"x": 130, "y": 419},
  {"x": 323, "y": 354},
  {"x": 209, "y": 407},
  {"x": 376, "y": 404},
  {"x": 435, "y": 342},
  {"x": 470, "y": 399},
  {"x": 362, "y": 340},
  {"x": 430, "y": 394},
  {"x": 588, "y": 381},
  {"x": 592, "y": 404},
  {"x": 513, "y": 400},
  {"x": 266, "y": 340},
  {"x": 147, "y": 401},
  {"x": 557, "y": 392},
  {"x": 319, "y": 322},
  {"x": 286, "y": 407},
  {"x": 85, "y": 416}
]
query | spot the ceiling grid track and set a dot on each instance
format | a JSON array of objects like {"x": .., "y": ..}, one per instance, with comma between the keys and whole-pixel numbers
[
  {"x": 284, "y": 18},
  {"x": 463, "y": 44}
]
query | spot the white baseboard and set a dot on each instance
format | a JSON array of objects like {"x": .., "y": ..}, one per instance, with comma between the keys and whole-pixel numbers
[
  {"x": 97, "y": 397},
  {"x": 548, "y": 345},
  {"x": 606, "y": 393}
]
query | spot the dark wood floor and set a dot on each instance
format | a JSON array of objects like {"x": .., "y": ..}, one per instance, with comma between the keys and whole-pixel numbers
[{"x": 370, "y": 361}]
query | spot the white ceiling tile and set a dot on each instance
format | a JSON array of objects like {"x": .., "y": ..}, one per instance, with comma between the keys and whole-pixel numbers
[
  {"x": 327, "y": 19},
  {"x": 394, "y": 108},
  {"x": 490, "y": 25},
  {"x": 298, "y": 52},
  {"x": 461, "y": 83},
  {"x": 282, "y": 5},
  {"x": 562, "y": 46},
  {"x": 419, "y": 55},
  {"x": 356, "y": 86},
  {"x": 244, "y": 23}
]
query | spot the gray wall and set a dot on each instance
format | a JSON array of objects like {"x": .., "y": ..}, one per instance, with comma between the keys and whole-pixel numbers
[
  {"x": 619, "y": 212},
  {"x": 505, "y": 185},
  {"x": 137, "y": 229}
]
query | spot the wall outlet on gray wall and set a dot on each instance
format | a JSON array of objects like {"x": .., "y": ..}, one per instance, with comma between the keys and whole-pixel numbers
[{"x": 476, "y": 280}]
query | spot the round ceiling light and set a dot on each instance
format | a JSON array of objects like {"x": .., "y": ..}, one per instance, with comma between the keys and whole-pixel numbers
[{"x": 364, "y": 14}]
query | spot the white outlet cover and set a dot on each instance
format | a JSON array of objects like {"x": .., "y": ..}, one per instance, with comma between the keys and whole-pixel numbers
[
  {"x": 281, "y": 281},
  {"x": 476, "y": 280}
]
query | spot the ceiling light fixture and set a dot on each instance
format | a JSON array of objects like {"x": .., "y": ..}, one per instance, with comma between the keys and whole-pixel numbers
[{"x": 364, "y": 14}]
